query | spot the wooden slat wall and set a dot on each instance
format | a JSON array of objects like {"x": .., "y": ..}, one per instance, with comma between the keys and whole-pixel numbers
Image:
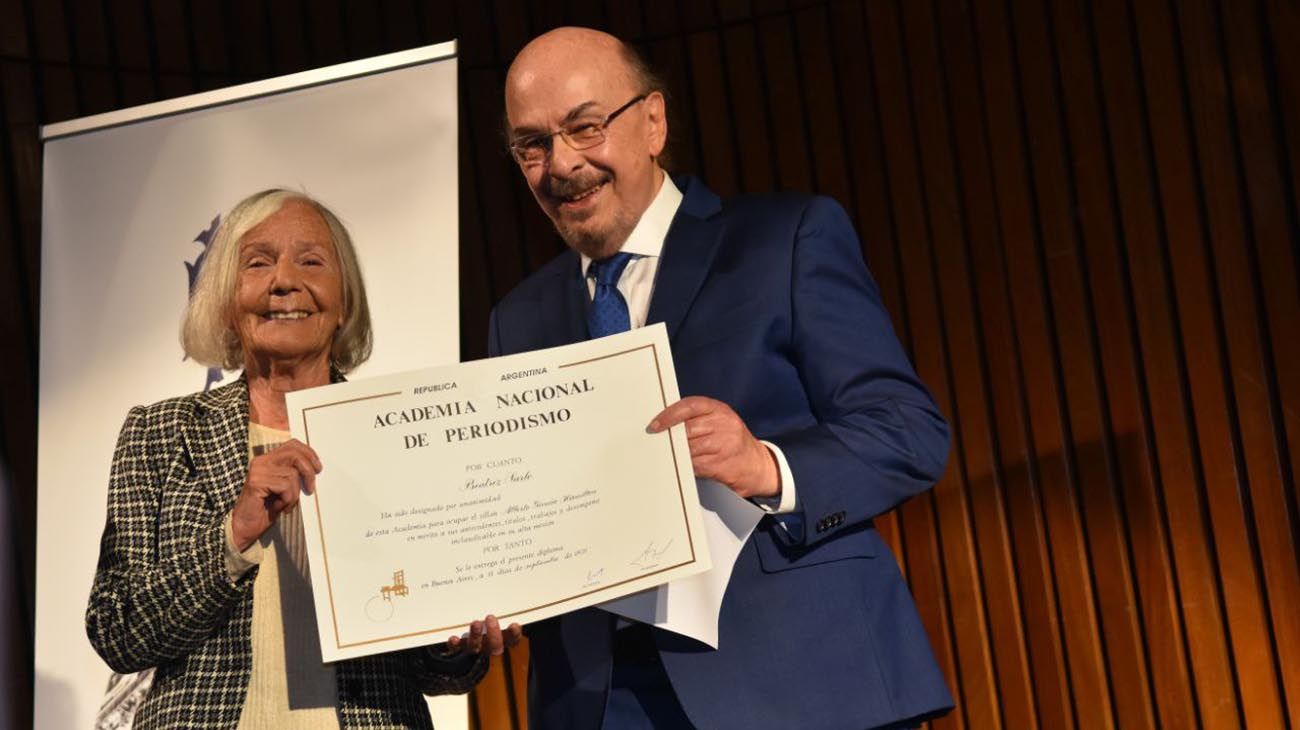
[{"x": 1084, "y": 217}]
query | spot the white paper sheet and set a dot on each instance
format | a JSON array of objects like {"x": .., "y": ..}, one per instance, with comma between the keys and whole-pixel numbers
[{"x": 690, "y": 606}]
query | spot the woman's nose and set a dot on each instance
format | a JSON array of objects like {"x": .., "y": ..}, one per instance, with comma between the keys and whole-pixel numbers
[{"x": 286, "y": 277}]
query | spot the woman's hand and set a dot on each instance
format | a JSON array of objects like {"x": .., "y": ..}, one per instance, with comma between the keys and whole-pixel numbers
[
  {"x": 272, "y": 486},
  {"x": 486, "y": 637}
]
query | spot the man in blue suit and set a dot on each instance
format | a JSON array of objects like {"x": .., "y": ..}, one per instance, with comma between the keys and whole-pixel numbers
[{"x": 798, "y": 396}]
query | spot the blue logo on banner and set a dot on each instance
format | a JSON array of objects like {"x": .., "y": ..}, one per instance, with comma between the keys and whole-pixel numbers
[{"x": 192, "y": 269}]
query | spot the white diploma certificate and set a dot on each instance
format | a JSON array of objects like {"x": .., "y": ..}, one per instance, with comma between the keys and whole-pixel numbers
[{"x": 522, "y": 486}]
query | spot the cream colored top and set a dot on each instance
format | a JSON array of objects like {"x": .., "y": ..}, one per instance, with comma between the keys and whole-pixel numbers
[{"x": 290, "y": 687}]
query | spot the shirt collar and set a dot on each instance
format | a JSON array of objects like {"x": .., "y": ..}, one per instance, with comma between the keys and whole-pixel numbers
[{"x": 647, "y": 238}]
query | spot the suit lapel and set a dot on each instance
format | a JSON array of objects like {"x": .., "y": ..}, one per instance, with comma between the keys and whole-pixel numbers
[
  {"x": 216, "y": 440},
  {"x": 688, "y": 253},
  {"x": 567, "y": 295}
]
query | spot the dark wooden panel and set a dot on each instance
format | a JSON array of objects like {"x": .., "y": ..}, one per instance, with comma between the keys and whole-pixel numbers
[
  {"x": 1279, "y": 280},
  {"x": 753, "y": 133},
  {"x": 19, "y": 282},
  {"x": 786, "y": 105},
  {"x": 511, "y": 31},
  {"x": 1082, "y": 495},
  {"x": 944, "y": 186},
  {"x": 1225, "y": 445},
  {"x": 821, "y": 102},
  {"x": 498, "y": 701},
  {"x": 964, "y": 591},
  {"x": 1037, "y": 465},
  {"x": 477, "y": 279},
  {"x": 672, "y": 57},
  {"x": 212, "y": 53},
  {"x": 49, "y": 24},
  {"x": 1133, "y": 509},
  {"x": 1264, "y": 294},
  {"x": 625, "y": 20},
  {"x": 13, "y": 29},
  {"x": 172, "y": 34},
  {"x": 502, "y": 237},
  {"x": 712, "y": 118},
  {"x": 325, "y": 32},
  {"x": 131, "y": 34},
  {"x": 363, "y": 28},
  {"x": 401, "y": 29},
  {"x": 1145, "y": 233},
  {"x": 288, "y": 37}
]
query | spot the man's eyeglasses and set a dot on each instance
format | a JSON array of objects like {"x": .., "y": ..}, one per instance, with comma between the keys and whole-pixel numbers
[{"x": 534, "y": 148}]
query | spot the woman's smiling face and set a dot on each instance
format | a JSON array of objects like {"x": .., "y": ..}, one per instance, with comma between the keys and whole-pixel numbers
[{"x": 289, "y": 295}]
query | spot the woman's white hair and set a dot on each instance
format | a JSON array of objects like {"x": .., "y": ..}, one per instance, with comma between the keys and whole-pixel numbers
[{"x": 207, "y": 331}]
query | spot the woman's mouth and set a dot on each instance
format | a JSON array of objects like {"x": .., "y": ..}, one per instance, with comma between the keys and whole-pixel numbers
[{"x": 296, "y": 314}]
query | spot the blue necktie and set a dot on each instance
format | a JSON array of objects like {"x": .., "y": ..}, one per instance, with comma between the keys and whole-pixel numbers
[{"x": 608, "y": 313}]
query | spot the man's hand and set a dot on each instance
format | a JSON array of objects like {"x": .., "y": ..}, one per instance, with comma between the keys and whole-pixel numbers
[
  {"x": 722, "y": 448},
  {"x": 272, "y": 486},
  {"x": 486, "y": 637}
]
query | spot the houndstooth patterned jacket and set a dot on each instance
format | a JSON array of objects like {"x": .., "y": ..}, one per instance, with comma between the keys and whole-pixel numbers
[{"x": 162, "y": 598}]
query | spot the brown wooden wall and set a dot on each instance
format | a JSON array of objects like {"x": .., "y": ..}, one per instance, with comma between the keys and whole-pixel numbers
[{"x": 1084, "y": 217}]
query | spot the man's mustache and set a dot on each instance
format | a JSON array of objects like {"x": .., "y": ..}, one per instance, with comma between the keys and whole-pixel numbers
[{"x": 571, "y": 186}]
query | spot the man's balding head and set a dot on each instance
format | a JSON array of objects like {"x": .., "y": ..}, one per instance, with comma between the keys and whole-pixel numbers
[
  {"x": 572, "y": 49},
  {"x": 575, "y": 77}
]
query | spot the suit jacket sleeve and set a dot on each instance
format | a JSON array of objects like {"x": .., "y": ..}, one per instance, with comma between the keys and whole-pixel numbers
[
  {"x": 879, "y": 437},
  {"x": 150, "y": 604}
]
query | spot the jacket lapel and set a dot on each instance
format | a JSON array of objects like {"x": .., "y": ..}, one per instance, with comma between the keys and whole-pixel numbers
[
  {"x": 688, "y": 253},
  {"x": 568, "y": 296},
  {"x": 216, "y": 441}
]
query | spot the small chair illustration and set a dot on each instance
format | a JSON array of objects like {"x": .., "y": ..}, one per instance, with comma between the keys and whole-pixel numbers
[{"x": 397, "y": 588}]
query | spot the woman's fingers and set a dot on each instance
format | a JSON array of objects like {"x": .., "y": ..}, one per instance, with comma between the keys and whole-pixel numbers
[
  {"x": 475, "y": 639},
  {"x": 513, "y": 633},
  {"x": 492, "y": 639},
  {"x": 273, "y": 485},
  {"x": 302, "y": 458},
  {"x": 487, "y": 637}
]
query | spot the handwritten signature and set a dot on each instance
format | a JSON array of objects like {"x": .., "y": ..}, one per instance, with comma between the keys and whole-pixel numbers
[
  {"x": 594, "y": 576},
  {"x": 651, "y": 555}
]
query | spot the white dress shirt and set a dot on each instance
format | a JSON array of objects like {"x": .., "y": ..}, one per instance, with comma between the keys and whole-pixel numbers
[{"x": 637, "y": 285}]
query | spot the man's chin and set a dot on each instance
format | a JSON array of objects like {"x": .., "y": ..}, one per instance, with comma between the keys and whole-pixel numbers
[{"x": 593, "y": 244}]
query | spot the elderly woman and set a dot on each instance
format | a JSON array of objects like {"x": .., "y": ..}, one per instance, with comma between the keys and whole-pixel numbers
[{"x": 202, "y": 568}]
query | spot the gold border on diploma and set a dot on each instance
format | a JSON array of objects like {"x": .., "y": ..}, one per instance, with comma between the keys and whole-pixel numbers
[{"x": 654, "y": 357}]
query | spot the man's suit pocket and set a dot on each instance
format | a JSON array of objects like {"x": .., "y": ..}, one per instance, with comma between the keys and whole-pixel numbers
[{"x": 775, "y": 556}]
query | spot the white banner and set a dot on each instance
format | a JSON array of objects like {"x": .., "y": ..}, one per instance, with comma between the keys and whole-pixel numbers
[{"x": 130, "y": 201}]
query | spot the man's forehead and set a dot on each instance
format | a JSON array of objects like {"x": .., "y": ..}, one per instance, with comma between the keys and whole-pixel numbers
[
  {"x": 536, "y": 91},
  {"x": 544, "y": 115}
]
